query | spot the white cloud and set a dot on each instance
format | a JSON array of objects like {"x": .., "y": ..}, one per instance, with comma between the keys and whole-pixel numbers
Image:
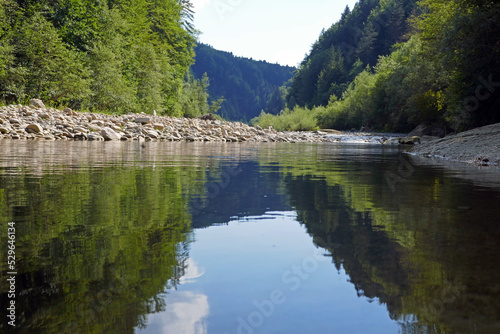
[
  {"x": 192, "y": 272},
  {"x": 185, "y": 313}
]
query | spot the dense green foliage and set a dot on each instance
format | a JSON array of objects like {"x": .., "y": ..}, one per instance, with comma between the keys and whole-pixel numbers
[
  {"x": 410, "y": 246},
  {"x": 462, "y": 39},
  {"x": 342, "y": 51},
  {"x": 115, "y": 237},
  {"x": 445, "y": 73},
  {"x": 296, "y": 119},
  {"x": 245, "y": 84},
  {"x": 116, "y": 56}
]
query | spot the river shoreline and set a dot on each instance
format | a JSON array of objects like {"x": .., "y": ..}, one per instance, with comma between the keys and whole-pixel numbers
[
  {"x": 36, "y": 122},
  {"x": 479, "y": 146}
]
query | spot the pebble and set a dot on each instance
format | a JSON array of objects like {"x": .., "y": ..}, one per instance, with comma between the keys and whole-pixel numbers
[
  {"x": 34, "y": 128},
  {"x": 53, "y": 124},
  {"x": 110, "y": 134}
]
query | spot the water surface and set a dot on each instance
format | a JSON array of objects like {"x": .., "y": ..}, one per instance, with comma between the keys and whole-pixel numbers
[{"x": 243, "y": 238}]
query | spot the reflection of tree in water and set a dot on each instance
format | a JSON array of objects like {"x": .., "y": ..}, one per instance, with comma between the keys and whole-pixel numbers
[
  {"x": 95, "y": 247},
  {"x": 246, "y": 191},
  {"x": 431, "y": 264}
]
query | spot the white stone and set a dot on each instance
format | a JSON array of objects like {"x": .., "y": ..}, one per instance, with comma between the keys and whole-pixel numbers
[
  {"x": 152, "y": 134},
  {"x": 110, "y": 134}
]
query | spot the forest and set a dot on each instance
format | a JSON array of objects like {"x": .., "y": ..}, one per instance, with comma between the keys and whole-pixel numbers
[
  {"x": 387, "y": 65},
  {"x": 120, "y": 56},
  {"x": 114, "y": 56},
  {"x": 391, "y": 65},
  {"x": 245, "y": 85}
]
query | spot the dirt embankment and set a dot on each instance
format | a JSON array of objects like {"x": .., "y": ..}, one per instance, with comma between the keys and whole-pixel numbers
[{"x": 479, "y": 146}]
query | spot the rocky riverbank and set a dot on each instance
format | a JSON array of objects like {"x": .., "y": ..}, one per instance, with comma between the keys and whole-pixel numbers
[
  {"x": 36, "y": 122},
  {"x": 479, "y": 146}
]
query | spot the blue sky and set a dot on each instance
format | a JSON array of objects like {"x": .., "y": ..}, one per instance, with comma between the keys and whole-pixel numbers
[{"x": 278, "y": 31}]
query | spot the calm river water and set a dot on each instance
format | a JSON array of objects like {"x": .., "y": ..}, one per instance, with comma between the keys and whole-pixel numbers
[{"x": 193, "y": 238}]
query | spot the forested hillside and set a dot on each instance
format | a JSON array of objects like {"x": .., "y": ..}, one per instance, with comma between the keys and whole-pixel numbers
[
  {"x": 394, "y": 64},
  {"x": 109, "y": 55},
  {"x": 245, "y": 84},
  {"x": 344, "y": 50}
]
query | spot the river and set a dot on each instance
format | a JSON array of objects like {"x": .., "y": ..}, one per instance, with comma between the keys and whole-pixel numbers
[{"x": 198, "y": 238}]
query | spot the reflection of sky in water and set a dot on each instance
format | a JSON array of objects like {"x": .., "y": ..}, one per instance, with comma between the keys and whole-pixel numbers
[
  {"x": 401, "y": 247},
  {"x": 192, "y": 272},
  {"x": 186, "y": 311},
  {"x": 236, "y": 266}
]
